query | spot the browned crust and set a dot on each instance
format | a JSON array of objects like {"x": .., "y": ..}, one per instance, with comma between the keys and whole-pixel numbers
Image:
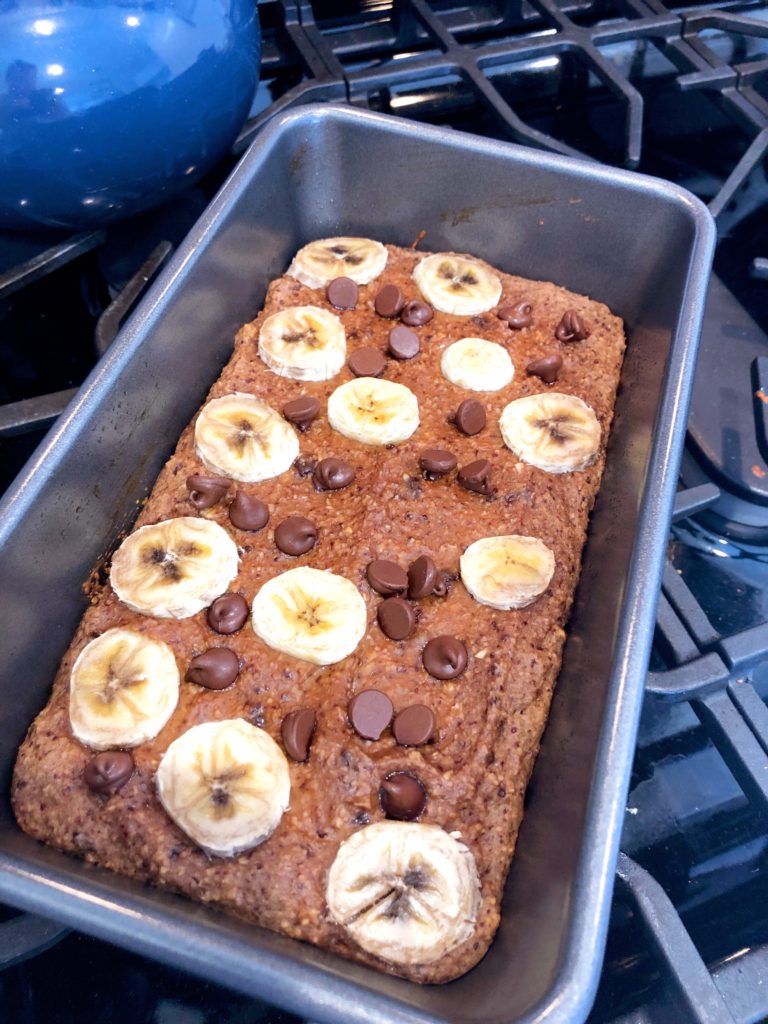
[{"x": 489, "y": 720}]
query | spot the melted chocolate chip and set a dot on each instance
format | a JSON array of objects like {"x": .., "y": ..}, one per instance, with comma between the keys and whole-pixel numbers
[
  {"x": 342, "y": 293},
  {"x": 435, "y": 462},
  {"x": 295, "y": 535},
  {"x": 403, "y": 343},
  {"x": 108, "y": 771},
  {"x": 470, "y": 417},
  {"x": 305, "y": 465},
  {"x": 332, "y": 475},
  {"x": 386, "y": 578},
  {"x": 205, "y": 491},
  {"x": 247, "y": 512},
  {"x": 302, "y": 411},
  {"x": 402, "y": 796},
  {"x": 416, "y": 313},
  {"x": 445, "y": 581},
  {"x": 571, "y": 327},
  {"x": 215, "y": 669},
  {"x": 367, "y": 362},
  {"x": 476, "y": 476},
  {"x": 414, "y": 725},
  {"x": 297, "y": 729},
  {"x": 518, "y": 316},
  {"x": 370, "y": 712},
  {"x": 396, "y": 618},
  {"x": 444, "y": 657},
  {"x": 422, "y": 576},
  {"x": 228, "y": 613},
  {"x": 547, "y": 368},
  {"x": 389, "y": 301}
]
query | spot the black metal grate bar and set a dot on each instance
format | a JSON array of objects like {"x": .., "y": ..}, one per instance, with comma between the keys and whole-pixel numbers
[
  {"x": 690, "y": 994},
  {"x": 46, "y": 262},
  {"x": 33, "y": 413},
  {"x": 110, "y": 320}
]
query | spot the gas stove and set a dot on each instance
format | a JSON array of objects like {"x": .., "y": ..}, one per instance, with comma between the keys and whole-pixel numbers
[{"x": 675, "y": 90}]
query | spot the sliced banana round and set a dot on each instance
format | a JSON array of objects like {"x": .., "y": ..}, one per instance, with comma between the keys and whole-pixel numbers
[
  {"x": 241, "y": 437},
  {"x": 303, "y": 343},
  {"x": 373, "y": 411},
  {"x": 554, "y": 432},
  {"x": 226, "y": 784},
  {"x": 123, "y": 688},
  {"x": 404, "y": 891},
  {"x": 175, "y": 568},
  {"x": 455, "y": 284},
  {"x": 507, "y": 572},
  {"x": 477, "y": 364},
  {"x": 360, "y": 259},
  {"x": 311, "y": 614}
]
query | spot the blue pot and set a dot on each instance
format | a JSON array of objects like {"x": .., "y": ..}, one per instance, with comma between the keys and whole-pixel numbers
[{"x": 108, "y": 107}]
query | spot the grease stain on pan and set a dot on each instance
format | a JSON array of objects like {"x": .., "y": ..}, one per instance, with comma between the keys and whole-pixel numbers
[{"x": 465, "y": 214}]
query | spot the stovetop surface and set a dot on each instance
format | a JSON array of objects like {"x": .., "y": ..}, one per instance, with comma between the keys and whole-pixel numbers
[{"x": 676, "y": 90}]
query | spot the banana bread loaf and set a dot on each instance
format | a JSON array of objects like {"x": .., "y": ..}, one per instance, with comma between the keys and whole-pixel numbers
[{"x": 313, "y": 689}]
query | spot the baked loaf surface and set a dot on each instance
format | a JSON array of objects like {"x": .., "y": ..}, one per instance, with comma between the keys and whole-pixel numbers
[{"x": 489, "y": 719}]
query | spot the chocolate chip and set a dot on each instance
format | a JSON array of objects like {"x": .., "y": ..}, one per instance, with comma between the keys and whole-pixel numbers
[
  {"x": 295, "y": 535},
  {"x": 386, "y": 578},
  {"x": 444, "y": 583},
  {"x": 402, "y": 796},
  {"x": 403, "y": 343},
  {"x": 342, "y": 293},
  {"x": 367, "y": 362},
  {"x": 389, "y": 301},
  {"x": 476, "y": 477},
  {"x": 305, "y": 465},
  {"x": 215, "y": 669},
  {"x": 396, "y": 618},
  {"x": 469, "y": 417},
  {"x": 571, "y": 327},
  {"x": 518, "y": 316},
  {"x": 247, "y": 512},
  {"x": 108, "y": 771},
  {"x": 297, "y": 729},
  {"x": 205, "y": 491},
  {"x": 547, "y": 368},
  {"x": 435, "y": 462},
  {"x": 228, "y": 613},
  {"x": 332, "y": 475},
  {"x": 422, "y": 576},
  {"x": 414, "y": 725},
  {"x": 370, "y": 712},
  {"x": 416, "y": 313},
  {"x": 302, "y": 411},
  {"x": 444, "y": 657}
]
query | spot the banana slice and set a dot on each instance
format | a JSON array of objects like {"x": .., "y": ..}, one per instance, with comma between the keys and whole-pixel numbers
[
  {"x": 554, "y": 432},
  {"x": 477, "y": 364},
  {"x": 303, "y": 343},
  {"x": 404, "y": 891},
  {"x": 507, "y": 572},
  {"x": 311, "y": 614},
  {"x": 373, "y": 411},
  {"x": 123, "y": 688},
  {"x": 455, "y": 284},
  {"x": 243, "y": 438},
  {"x": 226, "y": 784},
  {"x": 360, "y": 259},
  {"x": 173, "y": 569}
]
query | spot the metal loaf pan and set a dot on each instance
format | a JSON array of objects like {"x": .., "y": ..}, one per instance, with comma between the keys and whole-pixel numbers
[{"x": 640, "y": 245}]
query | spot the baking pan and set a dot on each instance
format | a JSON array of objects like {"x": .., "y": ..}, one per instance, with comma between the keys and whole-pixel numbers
[{"x": 640, "y": 245}]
